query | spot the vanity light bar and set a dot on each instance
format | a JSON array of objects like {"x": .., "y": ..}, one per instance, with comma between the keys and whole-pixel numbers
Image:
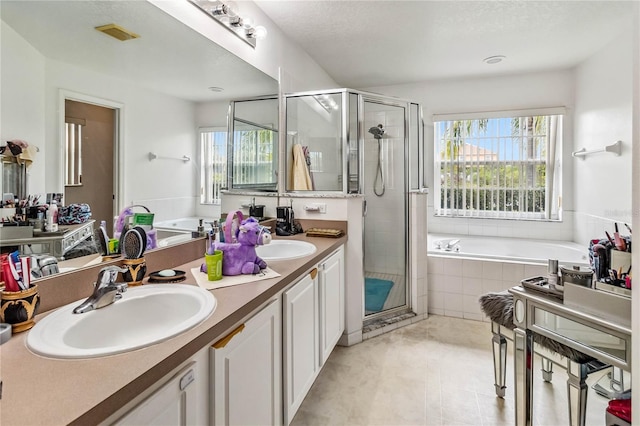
[{"x": 226, "y": 16}]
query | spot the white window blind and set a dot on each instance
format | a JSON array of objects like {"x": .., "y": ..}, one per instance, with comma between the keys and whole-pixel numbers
[
  {"x": 253, "y": 152},
  {"x": 500, "y": 167},
  {"x": 73, "y": 151},
  {"x": 213, "y": 164}
]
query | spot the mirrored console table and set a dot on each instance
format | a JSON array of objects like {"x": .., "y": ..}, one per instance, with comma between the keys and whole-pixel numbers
[
  {"x": 55, "y": 243},
  {"x": 603, "y": 337}
]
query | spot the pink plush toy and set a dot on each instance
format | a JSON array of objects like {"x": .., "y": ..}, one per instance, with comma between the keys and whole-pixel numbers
[{"x": 241, "y": 258}]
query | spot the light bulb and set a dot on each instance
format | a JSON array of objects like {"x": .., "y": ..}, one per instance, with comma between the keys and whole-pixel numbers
[
  {"x": 247, "y": 23},
  {"x": 260, "y": 32},
  {"x": 232, "y": 8}
]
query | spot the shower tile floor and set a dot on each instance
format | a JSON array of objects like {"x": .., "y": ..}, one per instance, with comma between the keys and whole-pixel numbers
[
  {"x": 435, "y": 372},
  {"x": 396, "y": 296}
]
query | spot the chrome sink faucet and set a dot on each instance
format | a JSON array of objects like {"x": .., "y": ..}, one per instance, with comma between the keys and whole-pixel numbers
[{"x": 106, "y": 290}]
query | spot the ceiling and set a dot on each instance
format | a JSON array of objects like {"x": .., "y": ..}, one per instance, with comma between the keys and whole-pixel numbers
[
  {"x": 169, "y": 57},
  {"x": 360, "y": 44},
  {"x": 375, "y": 43}
]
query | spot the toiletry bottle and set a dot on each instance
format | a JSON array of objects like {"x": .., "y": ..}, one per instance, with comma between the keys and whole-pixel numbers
[
  {"x": 553, "y": 274},
  {"x": 52, "y": 217}
]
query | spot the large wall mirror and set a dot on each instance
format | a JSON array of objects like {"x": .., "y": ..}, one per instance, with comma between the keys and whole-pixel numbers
[
  {"x": 161, "y": 87},
  {"x": 254, "y": 138}
]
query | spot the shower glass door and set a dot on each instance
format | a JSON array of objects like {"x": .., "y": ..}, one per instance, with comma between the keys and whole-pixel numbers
[{"x": 384, "y": 183}]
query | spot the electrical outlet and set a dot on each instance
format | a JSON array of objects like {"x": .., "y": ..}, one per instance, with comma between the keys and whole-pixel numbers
[{"x": 316, "y": 207}]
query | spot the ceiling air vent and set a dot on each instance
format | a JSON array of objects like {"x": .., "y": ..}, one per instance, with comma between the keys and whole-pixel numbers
[{"x": 116, "y": 31}]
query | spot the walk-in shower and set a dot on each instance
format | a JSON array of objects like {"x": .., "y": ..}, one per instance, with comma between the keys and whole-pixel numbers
[
  {"x": 358, "y": 143},
  {"x": 384, "y": 187}
]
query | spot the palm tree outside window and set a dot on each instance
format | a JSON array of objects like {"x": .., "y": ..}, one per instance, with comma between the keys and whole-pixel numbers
[{"x": 499, "y": 167}]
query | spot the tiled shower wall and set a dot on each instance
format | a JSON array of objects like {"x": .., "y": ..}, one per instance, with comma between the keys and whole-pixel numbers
[{"x": 455, "y": 284}]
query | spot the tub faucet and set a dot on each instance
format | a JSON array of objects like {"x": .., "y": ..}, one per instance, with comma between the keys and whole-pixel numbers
[
  {"x": 106, "y": 290},
  {"x": 451, "y": 244}
]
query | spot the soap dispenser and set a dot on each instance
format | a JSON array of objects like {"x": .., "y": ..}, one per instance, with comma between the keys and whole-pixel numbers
[{"x": 200, "y": 232}]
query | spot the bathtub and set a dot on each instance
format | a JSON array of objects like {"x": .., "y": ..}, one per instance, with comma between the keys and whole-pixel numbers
[
  {"x": 466, "y": 267},
  {"x": 507, "y": 249},
  {"x": 184, "y": 224}
]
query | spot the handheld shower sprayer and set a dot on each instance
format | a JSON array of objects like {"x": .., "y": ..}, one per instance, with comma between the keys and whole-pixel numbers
[{"x": 377, "y": 131}]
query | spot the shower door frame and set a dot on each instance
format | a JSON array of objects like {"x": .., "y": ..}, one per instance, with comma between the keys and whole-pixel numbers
[
  {"x": 383, "y": 100},
  {"x": 360, "y": 132}
]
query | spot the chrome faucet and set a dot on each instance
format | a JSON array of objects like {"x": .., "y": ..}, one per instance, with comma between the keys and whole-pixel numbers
[
  {"x": 451, "y": 245},
  {"x": 106, "y": 290}
]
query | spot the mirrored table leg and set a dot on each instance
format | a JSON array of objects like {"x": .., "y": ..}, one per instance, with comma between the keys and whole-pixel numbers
[
  {"x": 577, "y": 392},
  {"x": 499, "y": 343},
  {"x": 523, "y": 377}
]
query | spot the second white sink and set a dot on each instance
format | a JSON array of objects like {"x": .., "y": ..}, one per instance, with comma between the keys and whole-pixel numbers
[
  {"x": 145, "y": 315},
  {"x": 285, "y": 249}
]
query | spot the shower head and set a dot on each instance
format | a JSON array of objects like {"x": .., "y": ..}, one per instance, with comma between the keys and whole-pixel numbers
[{"x": 377, "y": 131}]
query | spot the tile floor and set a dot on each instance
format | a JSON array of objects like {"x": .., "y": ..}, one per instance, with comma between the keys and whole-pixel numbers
[{"x": 434, "y": 372}]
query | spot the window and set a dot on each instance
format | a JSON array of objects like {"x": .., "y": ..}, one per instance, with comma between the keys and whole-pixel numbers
[
  {"x": 73, "y": 151},
  {"x": 499, "y": 167},
  {"x": 213, "y": 164},
  {"x": 254, "y": 150}
]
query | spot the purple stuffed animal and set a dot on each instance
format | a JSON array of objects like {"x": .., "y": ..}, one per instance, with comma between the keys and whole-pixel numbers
[{"x": 241, "y": 258}]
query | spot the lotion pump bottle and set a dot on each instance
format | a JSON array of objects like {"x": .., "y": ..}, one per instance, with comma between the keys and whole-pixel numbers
[{"x": 52, "y": 217}]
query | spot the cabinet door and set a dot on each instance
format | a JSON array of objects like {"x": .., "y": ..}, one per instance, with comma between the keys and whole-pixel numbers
[
  {"x": 300, "y": 307},
  {"x": 331, "y": 287},
  {"x": 174, "y": 403},
  {"x": 247, "y": 370}
]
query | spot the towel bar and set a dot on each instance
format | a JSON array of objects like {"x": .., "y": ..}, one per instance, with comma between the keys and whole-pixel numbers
[{"x": 613, "y": 148}]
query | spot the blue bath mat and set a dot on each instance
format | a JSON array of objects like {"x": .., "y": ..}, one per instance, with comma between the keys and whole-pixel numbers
[{"x": 376, "y": 292}]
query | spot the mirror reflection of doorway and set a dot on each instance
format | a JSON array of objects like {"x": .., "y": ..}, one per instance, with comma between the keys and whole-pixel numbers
[{"x": 89, "y": 158}]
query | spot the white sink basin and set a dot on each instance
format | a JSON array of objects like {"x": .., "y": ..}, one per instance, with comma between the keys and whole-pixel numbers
[
  {"x": 285, "y": 249},
  {"x": 145, "y": 315}
]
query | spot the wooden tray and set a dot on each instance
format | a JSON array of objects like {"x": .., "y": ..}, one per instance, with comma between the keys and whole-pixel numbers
[
  {"x": 540, "y": 284},
  {"x": 319, "y": 232}
]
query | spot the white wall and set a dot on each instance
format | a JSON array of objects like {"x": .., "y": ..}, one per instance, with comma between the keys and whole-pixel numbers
[
  {"x": 22, "y": 95},
  {"x": 548, "y": 89},
  {"x": 603, "y": 115},
  {"x": 274, "y": 55},
  {"x": 154, "y": 122}
]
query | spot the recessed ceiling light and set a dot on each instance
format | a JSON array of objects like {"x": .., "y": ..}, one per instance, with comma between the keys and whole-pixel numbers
[
  {"x": 216, "y": 89},
  {"x": 493, "y": 59}
]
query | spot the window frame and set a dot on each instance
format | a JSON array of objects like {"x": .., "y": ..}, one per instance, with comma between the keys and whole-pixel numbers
[
  {"x": 207, "y": 190},
  {"x": 551, "y": 190}
]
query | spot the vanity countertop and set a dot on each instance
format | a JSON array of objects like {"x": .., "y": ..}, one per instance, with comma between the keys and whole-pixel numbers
[{"x": 38, "y": 390}]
